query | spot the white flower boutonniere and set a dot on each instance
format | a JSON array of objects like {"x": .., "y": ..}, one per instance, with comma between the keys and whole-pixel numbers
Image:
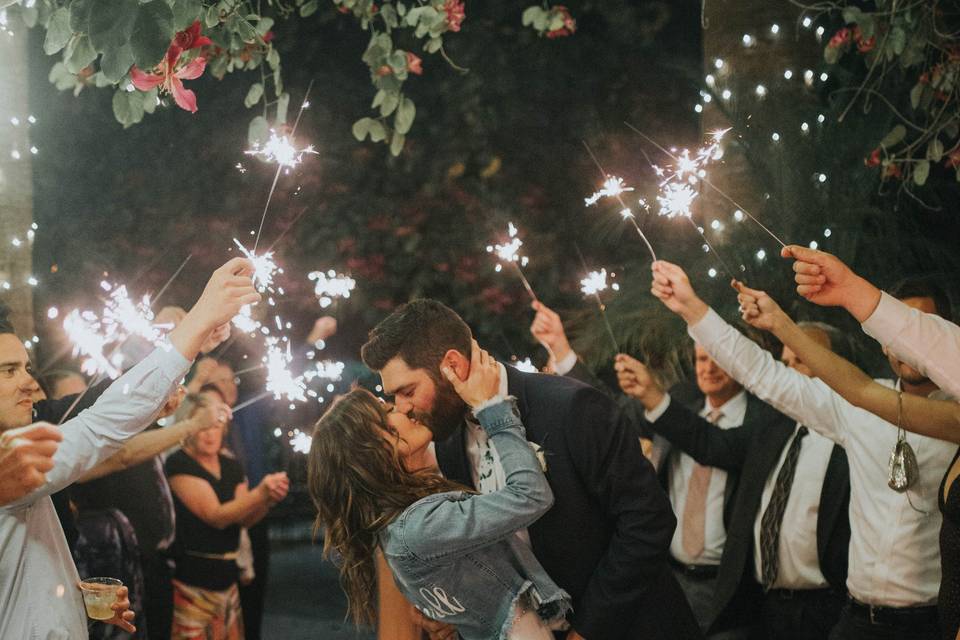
[{"x": 541, "y": 455}]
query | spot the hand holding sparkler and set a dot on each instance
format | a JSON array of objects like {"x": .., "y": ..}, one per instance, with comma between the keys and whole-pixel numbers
[
  {"x": 758, "y": 309},
  {"x": 637, "y": 381},
  {"x": 547, "y": 328},
  {"x": 229, "y": 288},
  {"x": 825, "y": 280},
  {"x": 672, "y": 287}
]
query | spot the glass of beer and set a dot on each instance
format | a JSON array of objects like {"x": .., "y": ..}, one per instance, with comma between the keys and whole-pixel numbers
[{"x": 98, "y": 596}]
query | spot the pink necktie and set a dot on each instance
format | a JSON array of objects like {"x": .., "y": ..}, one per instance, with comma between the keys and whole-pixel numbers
[{"x": 695, "y": 509}]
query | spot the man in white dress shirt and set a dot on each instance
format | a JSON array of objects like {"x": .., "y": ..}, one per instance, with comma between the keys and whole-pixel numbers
[
  {"x": 894, "y": 572},
  {"x": 39, "y": 597}
]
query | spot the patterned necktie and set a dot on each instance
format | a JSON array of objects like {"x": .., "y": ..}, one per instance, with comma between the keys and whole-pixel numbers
[
  {"x": 695, "y": 508},
  {"x": 773, "y": 516}
]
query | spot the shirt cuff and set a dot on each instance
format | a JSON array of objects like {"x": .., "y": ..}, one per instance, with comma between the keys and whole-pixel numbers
[
  {"x": 655, "y": 414},
  {"x": 563, "y": 367},
  {"x": 709, "y": 330},
  {"x": 887, "y": 320},
  {"x": 497, "y": 399}
]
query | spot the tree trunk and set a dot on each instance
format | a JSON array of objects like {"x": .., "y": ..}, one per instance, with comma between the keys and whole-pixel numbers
[{"x": 16, "y": 181}]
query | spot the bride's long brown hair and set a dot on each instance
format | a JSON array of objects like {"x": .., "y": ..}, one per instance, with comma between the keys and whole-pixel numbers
[{"x": 359, "y": 485}]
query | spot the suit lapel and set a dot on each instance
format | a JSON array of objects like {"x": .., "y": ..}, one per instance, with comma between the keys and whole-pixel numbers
[{"x": 452, "y": 458}]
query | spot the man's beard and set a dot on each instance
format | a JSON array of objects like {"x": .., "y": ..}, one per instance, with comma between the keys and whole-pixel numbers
[{"x": 448, "y": 412}]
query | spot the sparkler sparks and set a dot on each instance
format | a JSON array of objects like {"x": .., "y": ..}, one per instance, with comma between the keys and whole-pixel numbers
[
  {"x": 280, "y": 381},
  {"x": 326, "y": 370},
  {"x": 281, "y": 150},
  {"x": 301, "y": 442},
  {"x": 510, "y": 253},
  {"x": 331, "y": 285},
  {"x": 525, "y": 365},
  {"x": 594, "y": 283},
  {"x": 264, "y": 267},
  {"x": 612, "y": 188}
]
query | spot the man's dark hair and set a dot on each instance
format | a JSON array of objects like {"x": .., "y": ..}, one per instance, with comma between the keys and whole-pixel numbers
[
  {"x": 840, "y": 342},
  {"x": 924, "y": 287},
  {"x": 420, "y": 332},
  {"x": 212, "y": 388}
]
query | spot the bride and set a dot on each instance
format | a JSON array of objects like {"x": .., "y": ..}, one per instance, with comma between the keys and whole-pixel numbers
[{"x": 454, "y": 554}]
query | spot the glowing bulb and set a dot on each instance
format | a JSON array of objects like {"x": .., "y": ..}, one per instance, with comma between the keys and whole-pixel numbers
[
  {"x": 710, "y": 80},
  {"x": 15, "y": 121},
  {"x": 807, "y": 21},
  {"x": 827, "y": 233},
  {"x": 718, "y": 63},
  {"x": 712, "y": 272},
  {"x": 747, "y": 40},
  {"x": 775, "y": 137},
  {"x": 761, "y": 91},
  {"x": 33, "y": 150},
  {"x": 707, "y": 97},
  {"x": 775, "y": 28},
  {"x": 32, "y": 281},
  {"x": 804, "y": 127},
  {"x": 787, "y": 74},
  {"x": 738, "y": 215},
  {"x": 822, "y": 178},
  {"x": 15, "y": 154},
  {"x": 698, "y": 108},
  {"x": 52, "y": 313},
  {"x": 824, "y": 76},
  {"x": 813, "y": 244},
  {"x": 727, "y": 94},
  {"x": 715, "y": 225},
  {"x": 820, "y": 31},
  {"x": 821, "y": 118},
  {"x": 761, "y": 254},
  {"x": 808, "y": 77}
]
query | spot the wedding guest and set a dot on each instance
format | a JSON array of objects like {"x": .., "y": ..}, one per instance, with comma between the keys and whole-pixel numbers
[
  {"x": 64, "y": 382},
  {"x": 212, "y": 502},
  {"x": 920, "y": 336},
  {"x": 606, "y": 538},
  {"x": 789, "y": 531},
  {"x": 35, "y": 566},
  {"x": 894, "y": 568},
  {"x": 454, "y": 554},
  {"x": 935, "y": 418},
  {"x": 26, "y": 455}
]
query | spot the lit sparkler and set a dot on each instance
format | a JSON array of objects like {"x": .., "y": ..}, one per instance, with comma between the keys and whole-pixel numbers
[
  {"x": 244, "y": 320},
  {"x": 510, "y": 253},
  {"x": 280, "y": 149},
  {"x": 612, "y": 188},
  {"x": 592, "y": 285},
  {"x": 326, "y": 370},
  {"x": 280, "y": 381},
  {"x": 301, "y": 442},
  {"x": 264, "y": 267},
  {"x": 331, "y": 285},
  {"x": 525, "y": 365}
]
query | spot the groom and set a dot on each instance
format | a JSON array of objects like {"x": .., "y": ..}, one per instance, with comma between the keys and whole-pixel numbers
[{"x": 605, "y": 540}]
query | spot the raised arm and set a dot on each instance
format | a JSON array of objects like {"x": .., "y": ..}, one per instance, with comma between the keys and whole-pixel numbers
[
  {"x": 928, "y": 343},
  {"x": 935, "y": 418},
  {"x": 450, "y": 527},
  {"x": 804, "y": 399}
]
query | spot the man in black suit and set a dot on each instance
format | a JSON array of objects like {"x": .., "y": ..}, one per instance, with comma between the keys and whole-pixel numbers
[
  {"x": 605, "y": 539},
  {"x": 788, "y": 532}
]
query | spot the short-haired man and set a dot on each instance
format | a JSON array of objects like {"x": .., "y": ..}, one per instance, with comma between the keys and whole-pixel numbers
[{"x": 606, "y": 538}]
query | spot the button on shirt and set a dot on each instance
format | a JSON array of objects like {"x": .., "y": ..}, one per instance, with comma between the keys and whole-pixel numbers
[
  {"x": 38, "y": 593},
  {"x": 681, "y": 468},
  {"x": 485, "y": 468},
  {"x": 894, "y": 549},
  {"x": 799, "y": 562}
]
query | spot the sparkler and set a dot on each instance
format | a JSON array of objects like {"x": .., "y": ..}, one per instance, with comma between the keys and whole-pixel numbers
[
  {"x": 592, "y": 285},
  {"x": 264, "y": 267},
  {"x": 510, "y": 253},
  {"x": 244, "y": 320},
  {"x": 280, "y": 381},
  {"x": 716, "y": 135},
  {"x": 613, "y": 188},
  {"x": 301, "y": 442},
  {"x": 525, "y": 365},
  {"x": 331, "y": 285},
  {"x": 326, "y": 370},
  {"x": 280, "y": 149}
]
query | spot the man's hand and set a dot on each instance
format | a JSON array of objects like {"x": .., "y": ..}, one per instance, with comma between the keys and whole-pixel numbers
[
  {"x": 824, "y": 279},
  {"x": 547, "y": 328},
  {"x": 758, "y": 309},
  {"x": 26, "y": 454},
  {"x": 229, "y": 288},
  {"x": 123, "y": 616},
  {"x": 210, "y": 414},
  {"x": 324, "y": 328},
  {"x": 435, "y": 630},
  {"x": 672, "y": 287},
  {"x": 217, "y": 337},
  {"x": 636, "y": 381}
]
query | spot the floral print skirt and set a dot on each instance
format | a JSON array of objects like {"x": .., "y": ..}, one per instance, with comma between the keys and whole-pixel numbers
[{"x": 201, "y": 614}]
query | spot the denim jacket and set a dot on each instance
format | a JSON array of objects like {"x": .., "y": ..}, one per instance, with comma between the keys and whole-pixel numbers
[{"x": 456, "y": 556}]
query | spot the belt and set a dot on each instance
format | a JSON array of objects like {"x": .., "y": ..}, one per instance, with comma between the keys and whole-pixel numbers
[
  {"x": 808, "y": 594},
  {"x": 696, "y": 571},
  {"x": 894, "y": 616},
  {"x": 213, "y": 556}
]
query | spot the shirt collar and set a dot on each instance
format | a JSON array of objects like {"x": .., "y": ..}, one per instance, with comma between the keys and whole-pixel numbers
[{"x": 734, "y": 410}]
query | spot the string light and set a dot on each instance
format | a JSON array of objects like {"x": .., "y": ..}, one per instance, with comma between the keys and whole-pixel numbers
[
  {"x": 807, "y": 22},
  {"x": 727, "y": 94},
  {"x": 761, "y": 91},
  {"x": 775, "y": 29},
  {"x": 712, "y": 272},
  {"x": 738, "y": 215},
  {"x": 775, "y": 137},
  {"x": 827, "y": 233},
  {"x": 814, "y": 244},
  {"x": 748, "y": 40},
  {"x": 787, "y": 74}
]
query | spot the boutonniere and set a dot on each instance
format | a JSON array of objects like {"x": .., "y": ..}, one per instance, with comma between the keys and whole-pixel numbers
[{"x": 541, "y": 455}]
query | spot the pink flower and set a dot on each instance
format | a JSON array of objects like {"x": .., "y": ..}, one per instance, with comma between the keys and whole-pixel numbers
[
  {"x": 863, "y": 44},
  {"x": 414, "y": 64},
  {"x": 170, "y": 79},
  {"x": 953, "y": 159},
  {"x": 874, "y": 159},
  {"x": 569, "y": 24},
  {"x": 170, "y": 74},
  {"x": 456, "y": 12},
  {"x": 840, "y": 38}
]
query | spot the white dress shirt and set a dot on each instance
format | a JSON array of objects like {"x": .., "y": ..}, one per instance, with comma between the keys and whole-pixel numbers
[
  {"x": 894, "y": 549},
  {"x": 799, "y": 562},
  {"x": 681, "y": 468},
  {"x": 925, "y": 341},
  {"x": 39, "y": 597}
]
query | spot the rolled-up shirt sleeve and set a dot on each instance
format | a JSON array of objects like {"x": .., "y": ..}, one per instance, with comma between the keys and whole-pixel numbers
[
  {"x": 807, "y": 400},
  {"x": 928, "y": 343},
  {"x": 128, "y": 406}
]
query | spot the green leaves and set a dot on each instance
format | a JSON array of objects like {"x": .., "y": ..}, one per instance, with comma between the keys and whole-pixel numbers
[
  {"x": 185, "y": 12},
  {"x": 253, "y": 95},
  {"x": 79, "y": 53},
  {"x": 111, "y": 23},
  {"x": 896, "y": 135},
  {"x": 115, "y": 63},
  {"x": 308, "y": 8},
  {"x": 58, "y": 31},
  {"x": 128, "y": 107},
  {"x": 258, "y": 132},
  {"x": 921, "y": 171},
  {"x": 406, "y": 112},
  {"x": 152, "y": 32}
]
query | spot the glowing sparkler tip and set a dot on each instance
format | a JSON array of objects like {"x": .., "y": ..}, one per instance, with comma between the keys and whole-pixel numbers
[
  {"x": 612, "y": 188},
  {"x": 594, "y": 283},
  {"x": 280, "y": 149}
]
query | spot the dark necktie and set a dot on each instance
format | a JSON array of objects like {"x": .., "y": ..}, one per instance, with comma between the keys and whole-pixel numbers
[{"x": 773, "y": 516}]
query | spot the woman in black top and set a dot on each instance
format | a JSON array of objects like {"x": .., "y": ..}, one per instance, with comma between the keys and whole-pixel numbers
[{"x": 212, "y": 503}]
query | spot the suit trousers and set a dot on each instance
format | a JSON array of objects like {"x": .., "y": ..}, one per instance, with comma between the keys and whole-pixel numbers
[
  {"x": 158, "y": 595},
  {"x": 253, "y": 595},
  {"x": 801, "y": 615},
  {"x": 700, "y": 593},
  {"x": 853, "y": 626}
]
